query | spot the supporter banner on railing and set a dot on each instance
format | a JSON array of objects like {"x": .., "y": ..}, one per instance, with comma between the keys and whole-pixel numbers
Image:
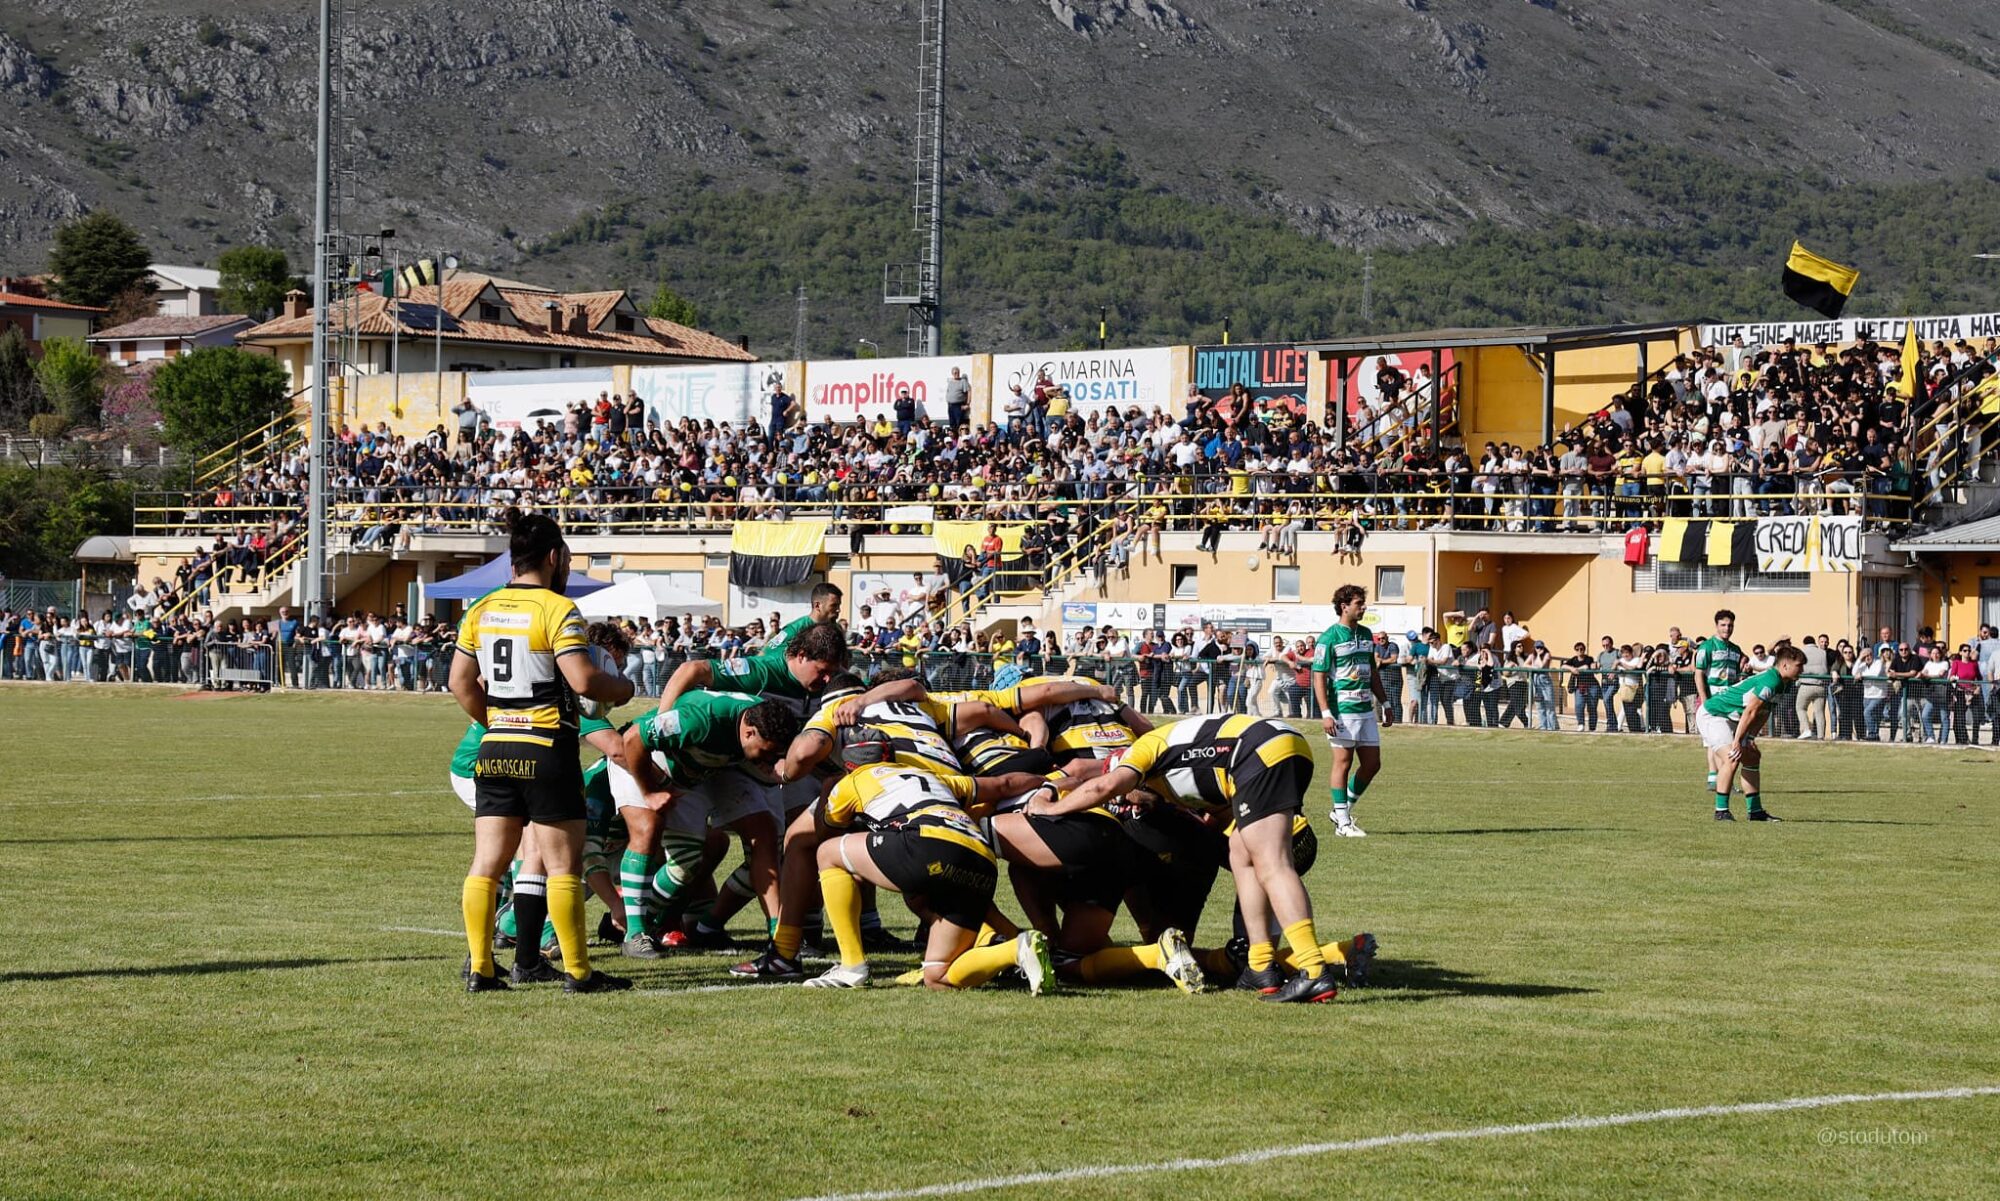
[
  {"x": 952, "y": 537},
  {"x": 1270, "y": 370},
  {"x": 774, "y": 554},
  {"x": 732, "y": 392},
  {"x": 1093, "y": 378},
  {"x": 1397, "y": 621},
  {"x": 1809, "y": 543},
  {"x": 864, "y": 389},
  {"x": 1969, "y": 326},
  {"x": 513, "y": 399}
]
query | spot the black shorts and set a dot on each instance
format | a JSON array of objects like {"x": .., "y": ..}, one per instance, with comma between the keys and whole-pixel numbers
[
  {"x": 1096, "y": 856},
  {"x": 1029, "y": 759},
  {"x": 953, "y": 880},
  {"x": 528, "y": 780},
  {"x": 1174, "y": 863},
  {"x": 1279, "y": 788}
]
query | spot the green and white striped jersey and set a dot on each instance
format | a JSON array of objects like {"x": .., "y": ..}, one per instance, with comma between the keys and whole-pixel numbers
[{"x": 1346, "y": 656}]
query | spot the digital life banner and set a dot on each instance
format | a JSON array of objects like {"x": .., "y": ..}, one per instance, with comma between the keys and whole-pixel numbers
[{"x": 1268, "y": 370}]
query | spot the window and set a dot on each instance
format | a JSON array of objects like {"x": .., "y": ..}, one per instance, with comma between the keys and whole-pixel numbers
[
  {"x": 1186, "y": 582},
  {"x": 1284, "y": 583},
  {"x": 488, "y": 311},
  {"x": 622, "y": 323},
  {"x": 1471, "y": 600},
  {"x": 1389, "y": 585},
  {"x": 1656, "y": 576}
]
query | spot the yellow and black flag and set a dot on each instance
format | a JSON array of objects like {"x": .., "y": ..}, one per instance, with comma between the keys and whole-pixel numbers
[
  {"x": 424, "y": 274},
  {"x": 1818, "y": 283}
]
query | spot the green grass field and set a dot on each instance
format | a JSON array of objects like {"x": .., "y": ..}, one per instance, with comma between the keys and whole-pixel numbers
[{"x": 220, "y": 985}]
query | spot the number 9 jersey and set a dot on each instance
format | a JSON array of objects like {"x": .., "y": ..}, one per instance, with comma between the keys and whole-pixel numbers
[{"x": 517, "y": 633}]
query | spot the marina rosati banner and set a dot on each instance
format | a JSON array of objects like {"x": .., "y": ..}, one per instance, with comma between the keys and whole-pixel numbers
[
  {"x": 1970, "y": 326},
  {"x": 1270, "y": 370},
  {"x": 1094, "y": 378},
  {"x": 732, "y": 392},
  {"x": 1361, "y": 375},
  {"x": 512, "y": 399},
  {"x": 862, "y": 389},
  {"x": 1809, "y": 543}
]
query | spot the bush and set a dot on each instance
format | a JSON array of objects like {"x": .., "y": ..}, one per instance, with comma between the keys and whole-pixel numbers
[
  {"x": 216, "y": 395},
  {"x": 48, "y": 426},
  {"x": 72, "y": 379}
]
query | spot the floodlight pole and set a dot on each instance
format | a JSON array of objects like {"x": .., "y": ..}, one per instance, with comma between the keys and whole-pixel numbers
[{"x": 312, "y": 585}]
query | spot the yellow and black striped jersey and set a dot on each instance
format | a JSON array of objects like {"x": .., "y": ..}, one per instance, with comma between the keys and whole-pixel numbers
[
  {"x": 915, "y": 730},
  {"x": 893, "y": 794},
  {"x": 1199, "y": 763},
  {"x": 981, "y": 748},
  {"x": 1083, "y": 729},
  {"x": 517, "y": 633}
]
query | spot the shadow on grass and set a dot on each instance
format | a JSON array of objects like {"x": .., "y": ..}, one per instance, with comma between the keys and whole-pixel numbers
[
  {"x": 1501, "y": 830},
  {"x": 1422, "y": 980},
  {"x": 212, "y": 968},
  {"x": 217, "y": 838}
]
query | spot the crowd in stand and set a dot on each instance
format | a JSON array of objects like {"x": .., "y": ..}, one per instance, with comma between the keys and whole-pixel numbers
[{"x": 1726, "y": 431}]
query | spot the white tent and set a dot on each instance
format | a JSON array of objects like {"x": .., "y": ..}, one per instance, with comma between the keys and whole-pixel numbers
[{"x": 646, "y": 596}]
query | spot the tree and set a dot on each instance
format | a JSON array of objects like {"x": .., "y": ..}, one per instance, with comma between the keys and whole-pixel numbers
[
  {"x": 96, "y": 257},
  {"x": 255, "y": 280},
  {"x": 72, "y": 380},
  {"x": 47, "y": 512},
  {"x": 20, "y": 393},
  {"x": 667, "y": 305},
  {"x": 215, "y": 395}
]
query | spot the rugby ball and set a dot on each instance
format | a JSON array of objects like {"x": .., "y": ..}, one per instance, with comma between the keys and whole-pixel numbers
[
  {"x": 1254, "y": 562},
  {"x": 604, "y": 662}
]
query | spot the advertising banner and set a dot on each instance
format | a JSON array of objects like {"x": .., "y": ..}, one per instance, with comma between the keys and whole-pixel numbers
[
  {"x": 1363, "y": 376},
  {"x": 1270, "y": 370},
  {"x": 1397, "y": 621},
  {"x": 719, "y": 392},
  {"x": 1094, "y": 378},
  {"x": 514, "y": 399},
  {"x": 1970, "y": 326},
  {"x": 850, "y": 390},
  {"x": 1809, "y": 544}
]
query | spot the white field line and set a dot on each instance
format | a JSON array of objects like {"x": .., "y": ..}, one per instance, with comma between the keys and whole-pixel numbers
[
  {"x": 235, "y": 796},
  {"x": 1414, "y": 1138}
]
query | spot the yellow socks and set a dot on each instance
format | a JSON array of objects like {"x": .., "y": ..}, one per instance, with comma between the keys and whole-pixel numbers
[
  {"x": 843, "y": 912},
  {"x": 1332, "y": 952},
  {"x": 1118, "y": 963},
  {"x": 478, "y": 900},
  {"x": 1216, "y": 961},
  {"x": 786, "y": 940},
  {"x": 566, "y": 912},
  {"x": 991, "y": 931},
  {"x": 981, "y": 964},
  {"x": 1306, "y": 954},
  {"x": 1260, "y": 956}
]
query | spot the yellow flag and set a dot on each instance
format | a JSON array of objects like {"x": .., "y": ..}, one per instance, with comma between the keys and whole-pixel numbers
[{"x": 1907, "y": 380}]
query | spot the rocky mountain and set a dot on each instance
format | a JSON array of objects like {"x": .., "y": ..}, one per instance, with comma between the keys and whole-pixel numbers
[{"x": 487, "y": 127}]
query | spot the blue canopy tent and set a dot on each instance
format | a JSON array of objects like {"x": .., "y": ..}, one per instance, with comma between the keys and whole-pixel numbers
[{"x": 485, "y": 578}]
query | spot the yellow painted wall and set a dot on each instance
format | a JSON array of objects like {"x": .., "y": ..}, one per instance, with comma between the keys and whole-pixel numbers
[
  {"x": 1502, "y": 388},
  {"x": 1953, "y": 608}
]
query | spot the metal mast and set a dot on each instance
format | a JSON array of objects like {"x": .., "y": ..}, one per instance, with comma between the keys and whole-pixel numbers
[
  {"x": 311, "y": 589},
  {"x": 799, "y": 327},
  {"x": 917, "y": 286}
]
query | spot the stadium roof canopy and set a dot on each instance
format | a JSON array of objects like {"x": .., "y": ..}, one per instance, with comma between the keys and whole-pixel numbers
[
  {"x": 1550, "y": 338},
  {"x": 1973, "y": 535}
]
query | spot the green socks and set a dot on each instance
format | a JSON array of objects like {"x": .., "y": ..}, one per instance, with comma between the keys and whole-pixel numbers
[
  {"x": 1755, "y": 803},
  {"x": 635, "y": 869},
  {"x": 1722, "y": 802}
]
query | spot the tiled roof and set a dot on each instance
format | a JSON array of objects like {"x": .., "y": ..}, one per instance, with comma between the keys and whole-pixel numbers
[
  {"x": 16, "y": 300},
  {"x": 169, "y": 327},
  {"x": 664, "y": 339}
]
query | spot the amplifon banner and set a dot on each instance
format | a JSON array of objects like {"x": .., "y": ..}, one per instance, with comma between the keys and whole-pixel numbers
[
  {"x": 1970, "y": 326},
  {"x": 732, "y": 392},
  {"x": 513, "y": 399},
  {"x": 848, "y": 390},
  {"x": 1270, "y": 370},
  {"x": 1093, "y": 378}
]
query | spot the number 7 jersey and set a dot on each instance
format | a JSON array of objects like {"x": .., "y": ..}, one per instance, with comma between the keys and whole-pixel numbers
[{"x": 517, "y": 633}]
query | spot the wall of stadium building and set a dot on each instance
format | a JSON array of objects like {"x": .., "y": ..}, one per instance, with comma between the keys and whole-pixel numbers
[
  {"x": 1579, "y": 591},
  {"x": 1501, "y": 387}
]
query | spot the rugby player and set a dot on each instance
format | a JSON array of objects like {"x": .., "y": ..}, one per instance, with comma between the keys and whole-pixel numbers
[
  {"x": 671, "y": 757},
  {"x": 920, "y": 841},
  {"x": 1256, "y": 771},
  {"x": 1074, "y": 729},
  {"x": 813, "y": 654},
  {"x": 523, "y": 662},
  {"x": 1718, "y": 663},
  {"x": 824, "y": 605},
  {"x": 1729, "y": 721},
  {"x": 1345, "y": 654}
]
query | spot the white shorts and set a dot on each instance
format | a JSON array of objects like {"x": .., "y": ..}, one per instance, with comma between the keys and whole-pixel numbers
[
  {"x": 1716, "y": 732},
  {"x": 463, "y": 786},
  {"x": 726, "y": 797},
  {"x": 1352, "y": 730}
]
